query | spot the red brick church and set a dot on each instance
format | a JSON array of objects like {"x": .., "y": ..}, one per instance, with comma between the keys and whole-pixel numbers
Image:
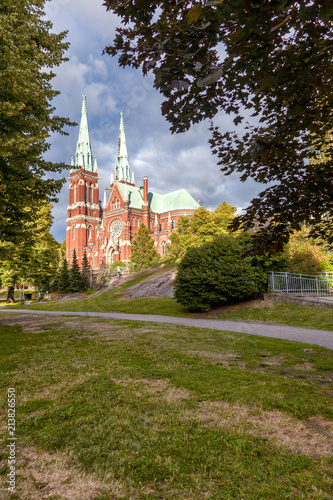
[{"x": 106, "y": 231}]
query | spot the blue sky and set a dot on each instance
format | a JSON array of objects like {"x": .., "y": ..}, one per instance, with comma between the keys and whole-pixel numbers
[{"x": 170, "y": 161}]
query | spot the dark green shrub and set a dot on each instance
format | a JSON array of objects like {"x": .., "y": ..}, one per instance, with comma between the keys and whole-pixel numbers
[{"x": 215, "y": 273}]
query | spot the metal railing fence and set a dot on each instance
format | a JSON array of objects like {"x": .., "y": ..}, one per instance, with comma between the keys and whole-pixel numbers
[{"x": 302, "y": 284}]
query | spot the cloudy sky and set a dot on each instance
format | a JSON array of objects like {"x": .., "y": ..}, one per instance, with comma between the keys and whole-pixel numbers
[{"x": 170, "y": 161}]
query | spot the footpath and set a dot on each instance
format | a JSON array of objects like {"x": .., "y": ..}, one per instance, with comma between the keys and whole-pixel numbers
[{"x": 322, "y": 338}]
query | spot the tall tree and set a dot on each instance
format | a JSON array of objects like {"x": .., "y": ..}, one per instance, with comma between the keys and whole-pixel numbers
[
  {"x": 76, "y": 281},
  {"x": 28, "y": 52},
  {"x": 35, "y": 260},
  {"x": 63, "y": 282},
  {"x": 204, "y": 226},
  {"x": 85, "y": 271},
  {"x": 44, "y": 254},
  {"x": 144, "y": 253},
  {"x": 270, "y": 60}
]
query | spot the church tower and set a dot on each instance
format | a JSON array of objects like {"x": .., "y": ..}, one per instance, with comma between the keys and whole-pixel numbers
[
  {"x": 83, "y": 211},
  {"x": 122, "y": 171}
]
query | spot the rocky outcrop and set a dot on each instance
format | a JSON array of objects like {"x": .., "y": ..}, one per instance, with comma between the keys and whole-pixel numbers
[{"x": 154, "y": 286}]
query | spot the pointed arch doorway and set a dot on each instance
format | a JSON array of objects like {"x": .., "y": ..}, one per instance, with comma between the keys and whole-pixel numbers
[{"x": 109, "y": 255}]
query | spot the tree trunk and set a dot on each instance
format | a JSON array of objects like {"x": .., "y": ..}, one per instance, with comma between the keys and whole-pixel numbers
[{"x": 10, "y": 294}]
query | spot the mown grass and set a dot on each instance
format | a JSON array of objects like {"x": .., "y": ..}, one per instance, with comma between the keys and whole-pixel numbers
[
  {"x": 282, "y": 313},
  {"x": 138, "y": 405},
  {"x": 270, "y": 312}
]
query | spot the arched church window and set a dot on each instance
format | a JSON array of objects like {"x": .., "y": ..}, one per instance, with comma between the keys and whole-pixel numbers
[
  {"x": 91, "y": 193},
  {"x": 85, "y": 192},
  {"x": 89, "y": 233},
  {"x": 137, "y": 222},
  {"x": 163, "y": 248}
]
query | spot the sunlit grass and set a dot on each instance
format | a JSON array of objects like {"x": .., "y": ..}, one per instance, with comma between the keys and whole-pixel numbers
[
  {"x": 283, "y": 313},
  {"x": 169, "y": 412}
]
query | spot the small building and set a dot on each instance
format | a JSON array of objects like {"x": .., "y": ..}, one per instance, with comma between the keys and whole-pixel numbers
[{"x": 106, "y": 231}]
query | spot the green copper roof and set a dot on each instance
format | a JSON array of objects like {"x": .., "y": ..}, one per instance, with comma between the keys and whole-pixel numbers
[
  {"x": 83, "y": 154},
  {"x": 159, "y": 203},
  {"x": 135, "y": 199},
  {"x": 177, "y": 200},
  {"x": 122, "y": 165}
]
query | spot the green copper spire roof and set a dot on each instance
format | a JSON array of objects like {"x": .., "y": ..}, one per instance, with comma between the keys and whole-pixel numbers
[
  {"x": 122, "y": 165},
  {"x": 83, "y": 155}
]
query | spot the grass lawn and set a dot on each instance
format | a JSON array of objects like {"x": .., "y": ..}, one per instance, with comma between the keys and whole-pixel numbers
[
  {"x": 282, "y": 313},
  {"x": 270, "y": 312},
  {"x": 120, "y": 409}
]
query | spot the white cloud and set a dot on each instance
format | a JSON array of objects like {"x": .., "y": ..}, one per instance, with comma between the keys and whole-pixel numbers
[{"x": 170, "y": 161}]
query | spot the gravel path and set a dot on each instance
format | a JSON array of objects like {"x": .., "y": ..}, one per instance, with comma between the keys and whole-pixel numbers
[{"x": 322, "y": 338}]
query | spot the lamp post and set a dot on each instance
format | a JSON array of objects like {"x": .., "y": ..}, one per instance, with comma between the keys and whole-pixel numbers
[{"x": 91, "y": 264}]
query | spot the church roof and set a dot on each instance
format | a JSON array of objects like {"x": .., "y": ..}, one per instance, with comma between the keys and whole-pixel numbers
[
  {"x": 159, "y": 203},
  {"x": 135, "y": 199},
  {"x": 176, "y": 200}
]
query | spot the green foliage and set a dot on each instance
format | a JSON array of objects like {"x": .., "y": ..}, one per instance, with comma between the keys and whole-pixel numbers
[
  {"x": 29, "y": 50},
  {"x": 62, "y": 249},
  {"x": 180, "y": 243},
  {"x": 304, "y": 255},
  {"x": 309, "y": 261},
  {"x": 270, "y": 263},
  {"x": 118, "y": 263},
  {"x": 35, "y": 260},
  {"x": 85, "y": 272},
  {"x": 224, "y": 215},
  {"x": 76, "y": 281},
  {"x": 215, "y": 273},
  {"x": 44, "y": 254},
  {"x": 204, "y": 226},
  {"x": 184, "y": 225},
  {"x": 64, "y": 278},
  {"x": 276, "y": 64},
  {"x": 144, "y": 253}
]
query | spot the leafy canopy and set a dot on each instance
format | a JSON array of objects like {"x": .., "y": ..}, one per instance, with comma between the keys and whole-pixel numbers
[
  {"x": 35, "y": 259},
  {"x": 267, "y": 62},
  {"x": 28, "y": 52},
  {"x": 204, "y": 226}
]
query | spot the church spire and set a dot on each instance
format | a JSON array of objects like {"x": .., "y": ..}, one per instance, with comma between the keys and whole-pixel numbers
[
  {"x": 83, "y": 155},
  {"x": 122, "y": 165}
]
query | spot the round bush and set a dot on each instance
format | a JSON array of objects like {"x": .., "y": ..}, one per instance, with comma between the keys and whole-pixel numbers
[{"x": 215, "y": 274}]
